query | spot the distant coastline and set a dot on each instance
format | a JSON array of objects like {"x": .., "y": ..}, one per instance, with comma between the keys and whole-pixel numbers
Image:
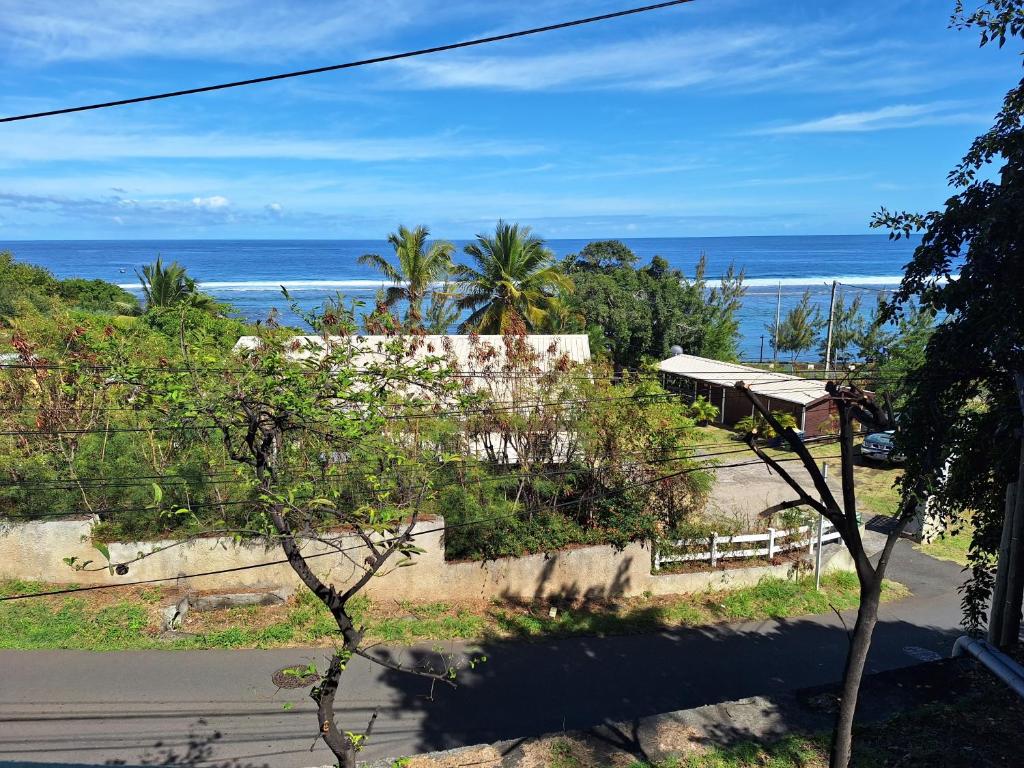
[{"x": 249, "y": 273}]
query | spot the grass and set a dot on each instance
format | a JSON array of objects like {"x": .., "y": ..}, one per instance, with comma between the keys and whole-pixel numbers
[
  {"x": 789, "y": 752},
  {"x": 875, "y": 492},
  {"x": 106, "y": 621},
  {"x": 950, "y": 545}
]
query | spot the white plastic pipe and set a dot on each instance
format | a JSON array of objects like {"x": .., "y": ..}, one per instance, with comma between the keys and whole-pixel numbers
[{"x": 997, "y": 662}]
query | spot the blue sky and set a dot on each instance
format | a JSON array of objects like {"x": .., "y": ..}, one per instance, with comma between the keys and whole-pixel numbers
[{"x": 721, "y": 117}]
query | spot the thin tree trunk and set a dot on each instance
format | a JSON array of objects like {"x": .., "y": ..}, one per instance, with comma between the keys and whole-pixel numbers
[
  {"x": 867, "y": 617},
  {"x": 336, "y": 741}
]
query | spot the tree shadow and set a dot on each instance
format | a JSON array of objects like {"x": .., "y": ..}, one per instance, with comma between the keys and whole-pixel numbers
[
  {"x": 199, "y": 750},
  {"x": 611, "y": 684}
]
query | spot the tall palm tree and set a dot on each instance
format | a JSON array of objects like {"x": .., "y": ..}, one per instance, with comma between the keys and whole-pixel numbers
[
  {"x": 514, "y": 284},
  {"x": 171, "y": 285},
  {"x": 414, "y": 270}
]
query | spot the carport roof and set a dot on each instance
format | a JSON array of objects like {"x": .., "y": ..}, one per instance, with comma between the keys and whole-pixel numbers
[{"x": 777, "y": 386}]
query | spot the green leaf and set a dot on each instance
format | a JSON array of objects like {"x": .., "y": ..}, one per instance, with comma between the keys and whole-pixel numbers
[{"x": 102, "y": 549}]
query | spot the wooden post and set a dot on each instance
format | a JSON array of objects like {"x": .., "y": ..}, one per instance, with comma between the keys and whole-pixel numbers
[
  {"x": 714, "y": 549},
  {"x": 1010, "y": 631},
  {"x": 995, "y": 621},
  {"x": 657, "y": 557},
  {"x": 1015, "y": 570},
  {"x": 771, "y": 543}
]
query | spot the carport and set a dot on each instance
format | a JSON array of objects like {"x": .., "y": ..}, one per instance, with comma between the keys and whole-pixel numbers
[{"x": 806, "y": 399}]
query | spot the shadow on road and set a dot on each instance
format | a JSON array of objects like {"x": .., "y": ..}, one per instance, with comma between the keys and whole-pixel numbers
[
  {"x": 199, "y": 749},
  {"x": 549, "y": 686}
]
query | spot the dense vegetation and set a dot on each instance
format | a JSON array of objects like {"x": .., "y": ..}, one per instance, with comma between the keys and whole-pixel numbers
[
  {"x": 89, "y": 395},
  {"x": 26, "y": 288},
  {"x": 634, "y": 315},
  {"x": 963, "y": 401},
  {"x": 513, "y": 284}
]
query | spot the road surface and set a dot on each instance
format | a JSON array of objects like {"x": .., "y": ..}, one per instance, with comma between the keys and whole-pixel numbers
[{"x": 220, "y": 707}]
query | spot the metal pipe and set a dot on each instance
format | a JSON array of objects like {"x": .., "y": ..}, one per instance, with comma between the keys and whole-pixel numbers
[{"x": 998, "y": 663}]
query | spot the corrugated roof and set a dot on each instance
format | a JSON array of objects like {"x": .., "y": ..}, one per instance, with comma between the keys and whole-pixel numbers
[{"x": 778, "y": 386}]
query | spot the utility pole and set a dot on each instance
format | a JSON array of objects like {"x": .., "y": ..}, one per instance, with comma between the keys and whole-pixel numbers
[
  {"x": 775, "y": 344},
  {"x": 828, "y": 340}
]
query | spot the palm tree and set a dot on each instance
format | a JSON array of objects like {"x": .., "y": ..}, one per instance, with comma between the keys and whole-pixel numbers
[
  {"x": 514, "y": 285},
  {"x": 443, "y": 311},
  {"x": 415, "y": 270},
  {"x": 171, "y": 285}
]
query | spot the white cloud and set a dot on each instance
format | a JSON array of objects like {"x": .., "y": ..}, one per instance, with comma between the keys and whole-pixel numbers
[
  {"x": 213, "y": 203},
  {"x": 58, "y": 30},
  {"x": 53, "y": 143},
  {"x": 883, "y": 118},
  {"x": 807, "y": 57},
  {"x": 654, "y": 63}
]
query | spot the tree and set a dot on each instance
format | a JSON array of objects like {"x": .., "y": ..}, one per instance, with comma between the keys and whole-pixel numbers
[
  {"x": 798, "y": 330},
  {"x": 604, "y": 255},
  {"x": 98, "y": 296},
  {"x": 637, "y": 314},
  {"x": 847, "y": 328},
  {"x": 615, "y": 314},
  {"x": 702, "y": 411},
  {"x": 892, "y": 350},
  {"x": 513, "y": 284},
  {"x": 854, "y": 407},
  {"x": 443, "y": 311},
  {"x": 328, "y": 458},
  {"x": 958, "y": 426},
  {"x": 23, "y": 285},
  {"x": 876, "y": 334},
  {"x": 709, "y": 326},
  {"x": 762, "y": 428},
  {"x": 585, "y": 459},
  {"x": 168, "y": 286},
  {"x": 415, "y": 270}
]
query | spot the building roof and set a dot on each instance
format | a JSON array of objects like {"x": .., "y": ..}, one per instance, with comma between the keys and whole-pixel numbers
[
  {"x": 777, "y": 386},
  {"x": 480, "y": 360},
  {"x": 462, "y": 350}
]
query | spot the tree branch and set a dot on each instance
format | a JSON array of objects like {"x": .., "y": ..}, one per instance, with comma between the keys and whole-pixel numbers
[
  {"x": 796, "y": 445},
  {"x": 438, "y": 676},
  {"x": 805, "y": 498}
]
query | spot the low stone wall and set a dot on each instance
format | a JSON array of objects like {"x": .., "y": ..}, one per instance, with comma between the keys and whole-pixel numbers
[{"x": 36, "y": 550}]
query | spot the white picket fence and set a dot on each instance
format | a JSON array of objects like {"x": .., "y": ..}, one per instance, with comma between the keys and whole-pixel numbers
[{"x": 720, "y": 547}]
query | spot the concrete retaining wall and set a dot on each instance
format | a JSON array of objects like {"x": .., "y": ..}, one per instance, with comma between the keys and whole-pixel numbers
[{"x": 35, "y": 551}]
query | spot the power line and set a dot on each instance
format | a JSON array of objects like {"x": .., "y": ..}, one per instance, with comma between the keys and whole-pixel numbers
[
  {"x": 574, "y": 502},
  {"x": 230, "y": 478},
  {"x": 192, "y": 506},
  {"x": 352, "y": 64}
]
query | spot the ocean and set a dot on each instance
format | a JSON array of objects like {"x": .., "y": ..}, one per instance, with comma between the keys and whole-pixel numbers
[{"x": 249, "y": 273}]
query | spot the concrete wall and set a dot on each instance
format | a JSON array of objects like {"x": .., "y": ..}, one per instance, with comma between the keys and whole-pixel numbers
[{"x": 35, "y": 551}]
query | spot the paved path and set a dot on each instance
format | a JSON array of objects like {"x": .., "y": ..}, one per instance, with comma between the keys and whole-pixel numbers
[{"x": 220, "y": 707}]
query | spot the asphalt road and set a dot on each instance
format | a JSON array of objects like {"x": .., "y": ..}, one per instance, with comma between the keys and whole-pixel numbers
[{"x": 221, "y": 708}]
